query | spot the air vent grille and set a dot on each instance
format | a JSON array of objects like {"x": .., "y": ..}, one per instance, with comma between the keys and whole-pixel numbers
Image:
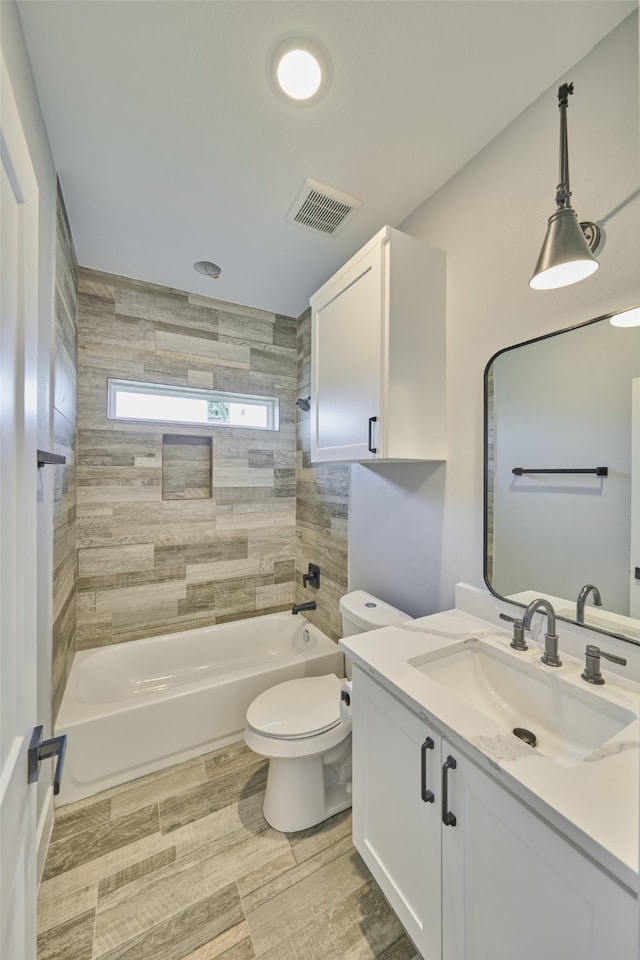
[{"x": 322, "y": 208}]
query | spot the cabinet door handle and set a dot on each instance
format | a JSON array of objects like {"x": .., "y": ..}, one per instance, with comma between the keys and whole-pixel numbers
[
  {"x": 427, "y": 795},
  {"x": 448, "y": 818},
  {"x": 372, "y": 420}
]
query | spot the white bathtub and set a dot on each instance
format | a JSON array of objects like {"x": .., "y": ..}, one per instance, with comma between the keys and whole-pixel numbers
[{"x": 136, "y": 707}]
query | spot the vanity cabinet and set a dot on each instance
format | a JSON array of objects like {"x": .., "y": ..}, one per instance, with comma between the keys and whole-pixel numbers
[
  {"x": 474, "y": 874},
  {"x": 378, "y": 360}
]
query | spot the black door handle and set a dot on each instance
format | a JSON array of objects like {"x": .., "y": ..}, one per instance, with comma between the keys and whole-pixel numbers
[
  {"x": 448, "y": 818},
  {"x": 372, "y": 420},
  {"x": 42, "y": 750},
  {"x": 427, "y": 795}
]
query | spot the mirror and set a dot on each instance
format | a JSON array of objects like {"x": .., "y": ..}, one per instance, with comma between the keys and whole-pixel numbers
[{"x": 557, "y": 409}]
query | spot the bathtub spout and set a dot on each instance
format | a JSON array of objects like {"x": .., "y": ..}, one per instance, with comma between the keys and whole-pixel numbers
[{"x": 297, "y": 607}]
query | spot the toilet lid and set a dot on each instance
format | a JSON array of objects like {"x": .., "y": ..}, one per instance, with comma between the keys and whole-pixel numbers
[{"x": 297, "y": 708}]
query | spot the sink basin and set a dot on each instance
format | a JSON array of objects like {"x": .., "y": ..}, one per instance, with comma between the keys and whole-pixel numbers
[{"x": 567, "y": 722}]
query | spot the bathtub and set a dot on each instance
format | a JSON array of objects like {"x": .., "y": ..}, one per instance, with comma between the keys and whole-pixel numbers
[{"x": 136, "y": 707}]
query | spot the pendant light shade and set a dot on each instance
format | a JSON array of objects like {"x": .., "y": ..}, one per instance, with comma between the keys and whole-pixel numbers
[
  {"x": 567, "y": 252},
  {"x": 565, "y": 256}
]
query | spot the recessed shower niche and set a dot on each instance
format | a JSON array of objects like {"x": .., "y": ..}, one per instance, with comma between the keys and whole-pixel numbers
[{"x": 186, "y": 467}]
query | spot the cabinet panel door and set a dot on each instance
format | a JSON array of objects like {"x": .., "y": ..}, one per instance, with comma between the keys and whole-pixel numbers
[
  {"x": 396, "y": 832},
  {"x": 513, "y": 888},
  {"x": 347, "y": 333}
]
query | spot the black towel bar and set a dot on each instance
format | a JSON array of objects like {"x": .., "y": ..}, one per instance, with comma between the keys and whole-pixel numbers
[{"x": 599, "y": 471}]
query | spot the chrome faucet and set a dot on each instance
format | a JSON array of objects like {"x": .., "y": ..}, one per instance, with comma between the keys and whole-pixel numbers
[
  {"x": 550, "y": 655},
  {"x": 582, "y": 599}
]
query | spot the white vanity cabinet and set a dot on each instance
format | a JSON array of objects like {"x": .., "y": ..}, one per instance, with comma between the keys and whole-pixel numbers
[
  {"x": 378, "y": 355},
  {"x": 495, "y": 882}
]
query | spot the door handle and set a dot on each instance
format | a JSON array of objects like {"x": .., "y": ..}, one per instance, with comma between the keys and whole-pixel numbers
[
  {"x": 427, "y": 795},
  {"x": 448, "y": 818},
  {"x": 372, "y": 420},
  {"x": 42, "y": 750}
]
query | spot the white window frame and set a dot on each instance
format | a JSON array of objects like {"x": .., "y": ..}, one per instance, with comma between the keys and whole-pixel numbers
[{"x": 114, "y": 385}]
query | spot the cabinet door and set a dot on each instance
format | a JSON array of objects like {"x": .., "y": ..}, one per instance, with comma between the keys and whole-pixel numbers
[
  {"x": 513, "y": 888},
  {"x": 347, "y": 335},
  {"x": 396, "y": 831}
]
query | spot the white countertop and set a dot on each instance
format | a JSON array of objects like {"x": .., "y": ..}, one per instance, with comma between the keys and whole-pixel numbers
[{"x": 594, "y": 803}]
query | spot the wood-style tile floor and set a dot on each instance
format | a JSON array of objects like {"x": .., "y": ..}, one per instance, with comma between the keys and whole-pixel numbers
[{"x": 181, "y": 865}]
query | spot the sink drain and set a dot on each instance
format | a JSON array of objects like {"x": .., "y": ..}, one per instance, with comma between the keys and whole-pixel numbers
[{"x": 523, "y": 734}]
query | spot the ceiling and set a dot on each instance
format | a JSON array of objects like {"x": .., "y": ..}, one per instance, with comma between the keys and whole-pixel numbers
[{"x": 172, "y": 145}]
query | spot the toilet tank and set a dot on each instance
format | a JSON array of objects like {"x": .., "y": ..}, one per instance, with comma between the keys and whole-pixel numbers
[{"x": 361, "y": 612}]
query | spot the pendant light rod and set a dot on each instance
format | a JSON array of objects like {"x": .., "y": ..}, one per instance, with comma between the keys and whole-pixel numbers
[{"x": 563, "y": 193}]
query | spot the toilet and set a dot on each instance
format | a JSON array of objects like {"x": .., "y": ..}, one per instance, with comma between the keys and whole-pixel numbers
[{"x": 297, "y": 726}]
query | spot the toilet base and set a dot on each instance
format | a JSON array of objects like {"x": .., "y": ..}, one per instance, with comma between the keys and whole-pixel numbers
[{"x": 304, "y": 791}]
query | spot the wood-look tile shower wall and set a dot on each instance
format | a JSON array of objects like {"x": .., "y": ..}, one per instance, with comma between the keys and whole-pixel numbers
[
  {"x": 321, "y": 512},
  {"x": 65, "y": 336},
  {"x": 148, "y": 565}
]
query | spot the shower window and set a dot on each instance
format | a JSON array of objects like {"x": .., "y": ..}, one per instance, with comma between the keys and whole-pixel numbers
[{"x": 133, "y": 400}]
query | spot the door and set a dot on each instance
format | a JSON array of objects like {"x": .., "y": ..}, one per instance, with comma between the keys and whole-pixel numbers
[
  {"x": 396, "y": 808},
  {"x": 18, "y": 410},
  {"x": 347, "y": 332},
  {"x": 634, "y": 587},
  {"x": 513, "y": 888}
]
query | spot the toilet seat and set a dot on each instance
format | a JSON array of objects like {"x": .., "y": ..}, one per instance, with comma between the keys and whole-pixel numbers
[{"x": 297, "y": 709}]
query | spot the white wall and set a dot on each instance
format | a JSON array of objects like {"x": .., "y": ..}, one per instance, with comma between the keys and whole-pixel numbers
[
  {"x": 491, "y": 218},
  {"x": 19, "y": 67}
]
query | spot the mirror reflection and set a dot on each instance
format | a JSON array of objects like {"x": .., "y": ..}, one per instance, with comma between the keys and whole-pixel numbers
[{"x": 558, "y": 411}]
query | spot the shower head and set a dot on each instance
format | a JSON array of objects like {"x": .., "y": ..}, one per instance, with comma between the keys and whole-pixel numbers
[{"x": 303, "y": 403}]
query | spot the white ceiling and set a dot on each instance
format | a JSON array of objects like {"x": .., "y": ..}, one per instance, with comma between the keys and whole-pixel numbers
[{"x": 172, "y": 145}]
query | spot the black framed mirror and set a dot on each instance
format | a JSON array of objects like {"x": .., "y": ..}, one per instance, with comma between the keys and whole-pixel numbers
[{"x": 562, "y": 474}]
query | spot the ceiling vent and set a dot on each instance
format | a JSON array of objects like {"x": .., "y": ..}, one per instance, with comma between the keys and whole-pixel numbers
[{"x": 322, "y": 208}]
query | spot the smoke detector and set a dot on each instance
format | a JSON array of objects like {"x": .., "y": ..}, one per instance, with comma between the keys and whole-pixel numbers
[{"x": 322, "y": 208}]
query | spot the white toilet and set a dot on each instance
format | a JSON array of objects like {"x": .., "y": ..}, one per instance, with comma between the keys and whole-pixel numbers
[{"x": 297, "y": 725}]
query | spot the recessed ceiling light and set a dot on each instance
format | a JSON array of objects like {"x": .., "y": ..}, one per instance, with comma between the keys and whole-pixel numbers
[
  {"x": 628, "y": 318},
  {"x": 208, "y": 268},
  {"x": 299, "y": 69}
]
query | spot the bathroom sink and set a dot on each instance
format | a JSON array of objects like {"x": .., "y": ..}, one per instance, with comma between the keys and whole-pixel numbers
[{"x": 568, "y": 723}]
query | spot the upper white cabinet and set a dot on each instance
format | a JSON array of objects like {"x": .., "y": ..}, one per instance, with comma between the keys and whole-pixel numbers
[{"x": 378, "y": 373}]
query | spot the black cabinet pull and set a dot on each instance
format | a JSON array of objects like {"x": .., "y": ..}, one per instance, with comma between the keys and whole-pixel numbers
[
  {"x": 448, "y": 818},
  {"x": 372, "y": 420},
  {"x": 427, "y": 795}
]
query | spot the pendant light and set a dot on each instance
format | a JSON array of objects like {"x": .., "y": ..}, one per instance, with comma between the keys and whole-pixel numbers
[{"x": 567, "y": 251}]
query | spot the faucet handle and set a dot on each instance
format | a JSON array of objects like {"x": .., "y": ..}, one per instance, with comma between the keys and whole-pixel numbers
[
  {"x": 591, "y": 672},
  {"x": 518, "y": 641}
]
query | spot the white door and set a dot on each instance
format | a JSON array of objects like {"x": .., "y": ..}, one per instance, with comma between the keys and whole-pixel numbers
[
  {"x": 634, "y": 584},
  {"x": 396, "y": 808},
  {"x": 513, "y": 889},
  {"x": 18, "y": 409},
  {"x": 347, "y": 332}
]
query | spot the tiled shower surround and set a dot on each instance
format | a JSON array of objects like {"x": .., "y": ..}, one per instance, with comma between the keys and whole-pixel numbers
[
  {"x": 148, "y": 565},
  {"x": 64, "y": 479},
  {"x": 155, "y": 555},
  {"x": 321, "y": 510}
]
